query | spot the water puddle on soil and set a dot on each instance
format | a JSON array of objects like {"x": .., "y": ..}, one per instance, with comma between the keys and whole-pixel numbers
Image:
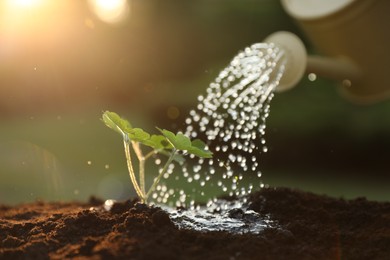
[
  {"x": 231, "y": 116},
  {"x": 221, "y": 215}
]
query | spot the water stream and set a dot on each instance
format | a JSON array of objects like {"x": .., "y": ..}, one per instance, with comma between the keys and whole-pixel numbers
[{"x": 231, "y": 116}]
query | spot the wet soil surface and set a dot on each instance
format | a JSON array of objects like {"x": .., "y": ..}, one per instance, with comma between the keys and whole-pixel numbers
[{"x": 309, "y": 227}]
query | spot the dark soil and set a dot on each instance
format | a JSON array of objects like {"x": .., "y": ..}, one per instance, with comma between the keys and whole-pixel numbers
[{"x": 311, "y": 227}]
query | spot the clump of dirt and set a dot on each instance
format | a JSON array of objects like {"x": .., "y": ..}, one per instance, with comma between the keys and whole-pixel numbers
[{"x": 309, "y": 227}]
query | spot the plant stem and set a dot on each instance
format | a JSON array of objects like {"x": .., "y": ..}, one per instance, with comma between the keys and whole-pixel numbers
[
  {"x": 163, "y": 171},
  {"x": 141, "y": 195},
  {"x": 149, "y": 154},
  {"x": 142, "y": 174},
  {"x": 141, "y": 159}
]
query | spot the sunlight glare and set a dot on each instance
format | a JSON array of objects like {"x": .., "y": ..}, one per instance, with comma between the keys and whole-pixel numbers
[
  {"x": 19, "y": 15},
  {"x": 110, "y": 11},
  {"x": 23, "y": 3}
]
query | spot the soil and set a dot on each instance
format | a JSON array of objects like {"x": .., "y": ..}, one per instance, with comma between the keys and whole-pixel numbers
[{"x": 310, "y": 227}]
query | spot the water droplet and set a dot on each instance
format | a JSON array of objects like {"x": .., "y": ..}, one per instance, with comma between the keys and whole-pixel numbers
[
  {"x": 108, "y": 204},
  {"x": 312, "y": 76}
]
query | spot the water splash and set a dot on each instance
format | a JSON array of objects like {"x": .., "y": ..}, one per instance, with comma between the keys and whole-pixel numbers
[
  {"x": 222, "y": 215},
  {"x": 231, "y": 116}
]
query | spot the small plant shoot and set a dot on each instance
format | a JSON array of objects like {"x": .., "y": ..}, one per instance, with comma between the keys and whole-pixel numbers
[{"x": 145, "y": 145}]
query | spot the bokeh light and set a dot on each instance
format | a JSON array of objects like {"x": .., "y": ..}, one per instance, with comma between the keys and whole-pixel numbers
[{"x": 110, "y": 11}]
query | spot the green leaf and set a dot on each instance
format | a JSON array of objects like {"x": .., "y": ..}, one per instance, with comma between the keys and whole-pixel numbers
[
  {"x": 161, "y": 143},
  {"x": 183, "y": 143},
  {"x": 138, "y": 134},
  {"x": 168, "y": 135},
  {"x": 115, "y": 122},
  {"x": 179, "y": 141},
  {"x": 198, "y": 144},
  {"x": 158, "y": 142},
  {"x": 198, "y": 148}
]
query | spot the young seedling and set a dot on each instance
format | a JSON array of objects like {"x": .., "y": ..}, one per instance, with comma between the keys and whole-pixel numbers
[{"x": 168, "y": 143}]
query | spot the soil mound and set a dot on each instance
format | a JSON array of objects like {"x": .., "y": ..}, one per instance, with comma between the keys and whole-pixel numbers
[{"x": 310, "y": 227}]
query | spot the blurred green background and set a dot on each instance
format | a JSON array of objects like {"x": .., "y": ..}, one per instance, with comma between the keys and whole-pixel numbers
[{"x": 62, "y": 63}]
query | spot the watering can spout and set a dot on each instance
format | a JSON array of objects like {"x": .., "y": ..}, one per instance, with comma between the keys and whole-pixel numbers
[
  {"x": 352, "y": 37},
  {"x": 298, "y": 63},
  {"x": 341, "y": 69}
]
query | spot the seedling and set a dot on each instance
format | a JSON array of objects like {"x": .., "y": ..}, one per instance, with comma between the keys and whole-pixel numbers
[{"x": 145, "y": 145}]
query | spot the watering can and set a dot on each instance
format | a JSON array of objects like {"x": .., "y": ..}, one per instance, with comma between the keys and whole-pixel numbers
[{"x": 353, "y": 38}]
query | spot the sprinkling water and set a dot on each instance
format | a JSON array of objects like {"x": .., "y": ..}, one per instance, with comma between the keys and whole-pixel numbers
[{"x": 231, "y": 116}]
